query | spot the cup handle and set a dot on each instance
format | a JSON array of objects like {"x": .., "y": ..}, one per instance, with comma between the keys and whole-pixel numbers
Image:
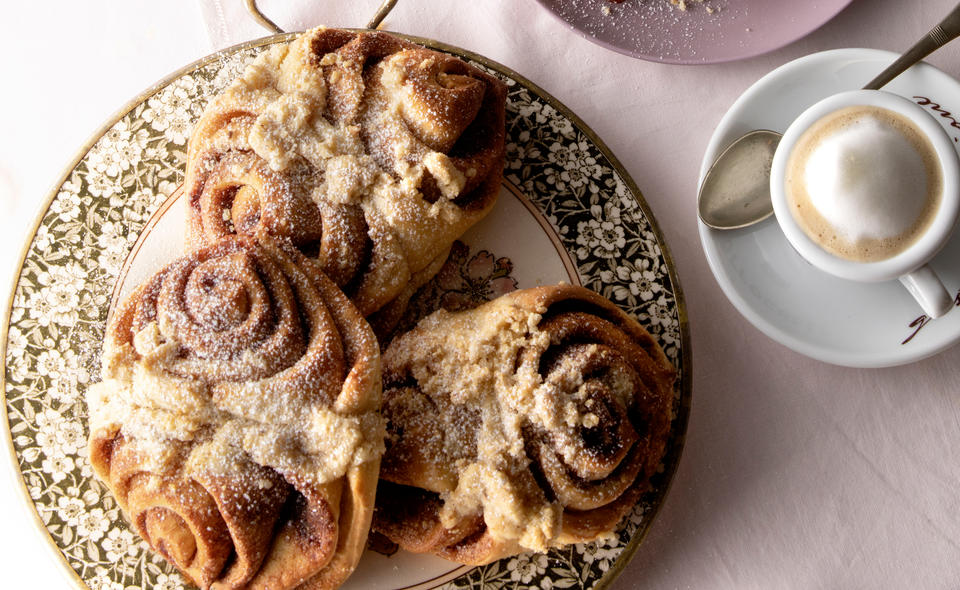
[{"x": 929, "y": 292}]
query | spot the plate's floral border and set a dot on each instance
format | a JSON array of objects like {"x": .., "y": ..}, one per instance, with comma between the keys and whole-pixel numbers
[{"x": 60, "y": 304}]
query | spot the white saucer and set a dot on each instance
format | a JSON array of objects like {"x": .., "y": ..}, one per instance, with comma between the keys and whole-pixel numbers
[{"x": 823, "y": 317}]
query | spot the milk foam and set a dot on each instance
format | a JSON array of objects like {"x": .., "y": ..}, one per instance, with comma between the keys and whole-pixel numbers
[
  {"x": 863, "y": 183},
  {"x": 867, "y": 180}
]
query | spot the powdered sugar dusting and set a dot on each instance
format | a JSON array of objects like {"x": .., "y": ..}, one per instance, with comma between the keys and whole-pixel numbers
[
  {"x": 166, "y": 384},
  {"x": 474, "y": 398},
  {"x": 673, "y": 31},
  {"x": 365, "y": 121}
]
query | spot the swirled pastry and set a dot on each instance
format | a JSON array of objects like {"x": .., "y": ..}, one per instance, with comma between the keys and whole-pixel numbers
[
  {"x": 372, "y": 154},
  {"x": 530, "y": 422},
  {"x": 237, "y": 420}
]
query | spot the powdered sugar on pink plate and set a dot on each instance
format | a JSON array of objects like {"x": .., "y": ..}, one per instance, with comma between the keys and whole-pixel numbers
[{"x": 709, "y": 31}]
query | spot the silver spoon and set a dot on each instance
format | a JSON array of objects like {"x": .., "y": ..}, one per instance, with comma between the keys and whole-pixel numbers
[{"x": 736, "y": 189}]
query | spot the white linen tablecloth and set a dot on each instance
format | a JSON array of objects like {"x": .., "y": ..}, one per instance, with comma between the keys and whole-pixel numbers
[{"x": 796, "y": 474}]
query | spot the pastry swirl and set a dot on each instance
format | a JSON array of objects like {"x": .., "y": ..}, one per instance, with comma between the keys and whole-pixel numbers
[
  {"x": 237, "y": 420},
  {"x": 372, "y": 154},
  {"x": 533, "y": 421}
]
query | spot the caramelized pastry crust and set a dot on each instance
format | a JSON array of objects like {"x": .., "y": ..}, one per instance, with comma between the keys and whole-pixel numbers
[
  {"x": 372, "y": 154},
  {"x": 533, "y": 421},
  {"x": 237, "y": 421}
]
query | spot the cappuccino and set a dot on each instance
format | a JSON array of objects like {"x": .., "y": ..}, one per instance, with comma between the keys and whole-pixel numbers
[{"x": 864, "y": 183}]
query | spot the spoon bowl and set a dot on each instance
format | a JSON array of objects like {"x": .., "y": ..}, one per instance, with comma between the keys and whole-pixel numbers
[{"x": 736, "y": 190}]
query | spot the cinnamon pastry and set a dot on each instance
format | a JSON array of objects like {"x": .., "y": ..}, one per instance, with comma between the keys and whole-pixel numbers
[
  {"x": 237, "y": 421},
  {"x": 372, "y": 154},
  {"x": 533, "y": 421}
]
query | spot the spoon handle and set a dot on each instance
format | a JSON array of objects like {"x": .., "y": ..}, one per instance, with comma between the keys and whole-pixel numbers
[{"x": 947, "y": 30}]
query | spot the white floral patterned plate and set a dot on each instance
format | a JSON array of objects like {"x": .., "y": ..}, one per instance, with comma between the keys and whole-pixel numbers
[{"x": 567, "y": 211}]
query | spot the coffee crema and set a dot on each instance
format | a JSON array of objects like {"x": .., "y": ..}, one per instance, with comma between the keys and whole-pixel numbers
[{"x": 864, "y": 183}]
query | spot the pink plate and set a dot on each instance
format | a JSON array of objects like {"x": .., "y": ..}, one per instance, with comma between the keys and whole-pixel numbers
[{"x": 655, "y": 30}]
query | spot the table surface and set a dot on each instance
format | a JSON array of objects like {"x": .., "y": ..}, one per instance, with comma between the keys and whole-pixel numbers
[{"x": 796, "y": 474}]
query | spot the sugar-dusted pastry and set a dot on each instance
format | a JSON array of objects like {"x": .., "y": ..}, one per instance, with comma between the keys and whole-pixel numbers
[
  {"x": 371, "y": 153},
  {"x": 237, "y": 420},
  {"x": 530, "y": 422}
]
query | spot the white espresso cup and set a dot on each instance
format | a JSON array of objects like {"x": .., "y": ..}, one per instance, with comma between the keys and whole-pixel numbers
[{"x": 852, "y": 199}]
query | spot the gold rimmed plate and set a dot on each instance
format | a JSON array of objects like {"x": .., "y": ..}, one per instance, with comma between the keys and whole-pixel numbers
[{"x": 567, "y": 211}]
